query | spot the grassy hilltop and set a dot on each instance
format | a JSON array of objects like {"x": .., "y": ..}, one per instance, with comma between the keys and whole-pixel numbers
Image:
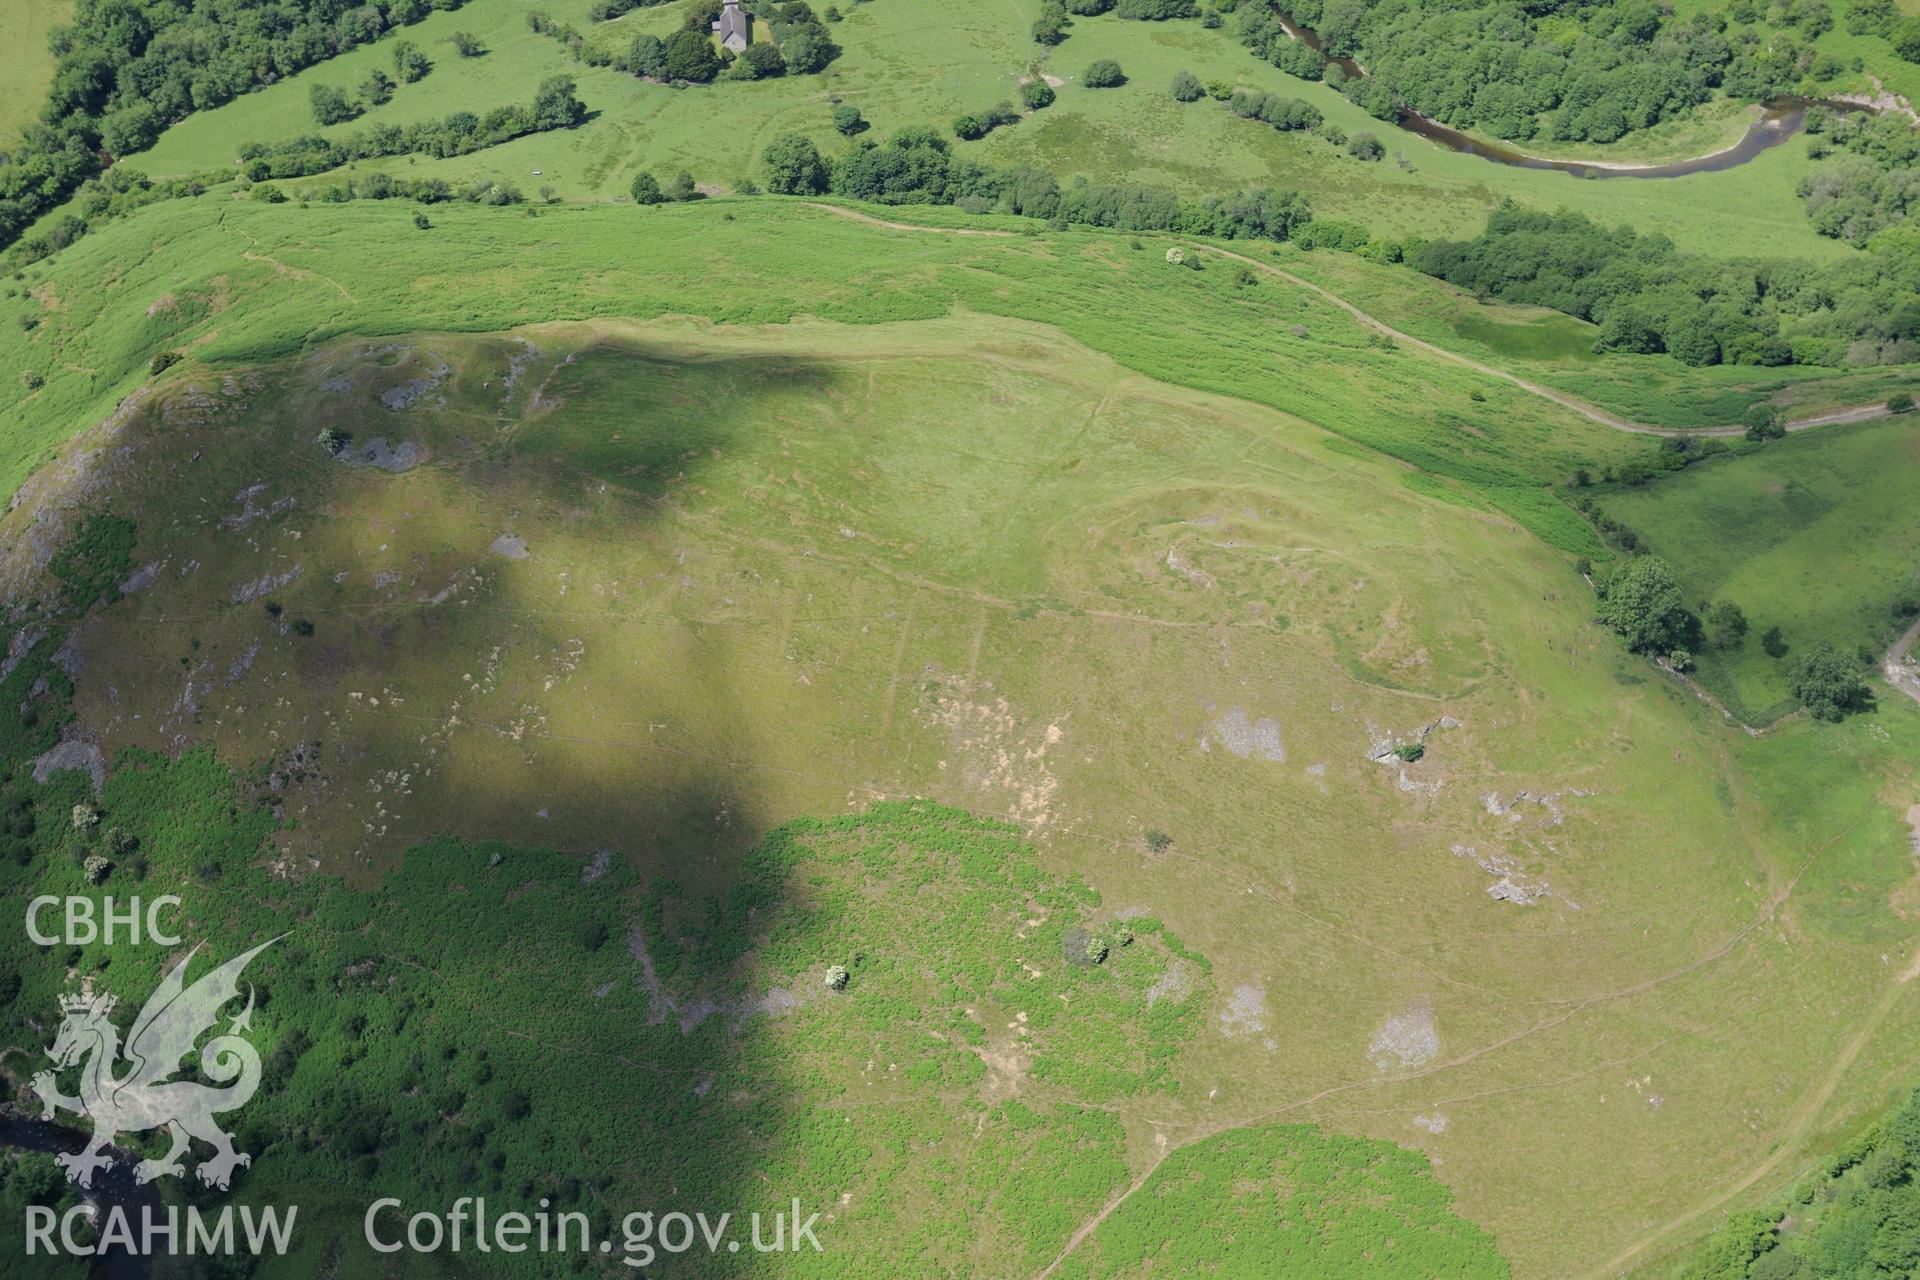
[{"x": 1076, "y": 751}]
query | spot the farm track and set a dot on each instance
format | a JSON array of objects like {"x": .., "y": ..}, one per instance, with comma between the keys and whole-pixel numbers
[{"x": 1593, "y": 413}]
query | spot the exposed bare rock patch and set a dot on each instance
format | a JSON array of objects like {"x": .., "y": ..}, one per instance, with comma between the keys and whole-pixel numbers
[
  {"x": 73, "y": 753},
  {"x": 254, "y": 588},
  {"x": 1406, "y": 1040},
  {"x": 999, "y": 753},
  {"x": 381, "y": 456},
  {"x": 413, "y": 391},
  {"x": 140, "y": 578},
  {"x": 1246, "y": 736},
  {"x": 251, "y": 509}
]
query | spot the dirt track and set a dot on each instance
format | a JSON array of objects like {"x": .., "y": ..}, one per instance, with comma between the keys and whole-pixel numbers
[{"x": 1859, "y": 413}]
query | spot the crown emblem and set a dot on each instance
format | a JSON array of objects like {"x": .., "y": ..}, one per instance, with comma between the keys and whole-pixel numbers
[{"x": 88, "y": 1002}]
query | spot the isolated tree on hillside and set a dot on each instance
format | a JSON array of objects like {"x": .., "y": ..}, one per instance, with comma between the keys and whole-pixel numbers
[
  {"x": 1827, "y": 682},
  {"x": 646, "y": 189},
  {"x": 794, "y": 167},
  {"x": 466, "y": 44},
  {"x": 1186, "y": 87},
  {"x": 1037, "y": 94},
  {"x": 556, "y": 105},
  {"x": 330, "y": 105},
  {"x": 1103, "y": 74},
  {"x": 682, "y": 187},
  {"x": 1643, "y": 603},
  {"x": 848, "y": 120},
  {"x": 409, "y": 63},
  {"x": 1725, "y": 623},
  {"x": 377, "y": 88}
]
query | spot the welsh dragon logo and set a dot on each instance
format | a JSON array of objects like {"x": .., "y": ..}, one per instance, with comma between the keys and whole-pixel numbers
[{"x": 143, "y": 1097}]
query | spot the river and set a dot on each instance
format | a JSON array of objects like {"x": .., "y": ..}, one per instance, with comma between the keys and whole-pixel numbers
[
  {"x": 1779, "y": 120},
  {"x": 112, "y": 1186}
]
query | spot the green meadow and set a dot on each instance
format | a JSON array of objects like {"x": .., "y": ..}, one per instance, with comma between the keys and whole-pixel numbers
[
  {"x": 661, "y": 588},
  {"x": 26, "y": 64},
  {"x": 919, "y": 62},
  {"x": 1071, "y": 758},
  {"x": 1816, "y": 535}
]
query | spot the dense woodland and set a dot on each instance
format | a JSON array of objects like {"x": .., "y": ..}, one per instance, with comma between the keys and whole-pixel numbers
[
  {"x": 1859, "y": 1218},
  {"x": 1589, "y": 72},
  {"x": 128, "y": 70},
  {"x": 1647, "y": 296}
]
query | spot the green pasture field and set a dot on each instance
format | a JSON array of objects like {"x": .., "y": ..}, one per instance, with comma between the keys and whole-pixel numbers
[
  {"x": 1817, "y": 534},
  {"x": 921, "y": 62},
  {"x": 760, "y": 587},
  {"x": 1556, "y": 349},
  {"x": 26, "y": 63},
  {"x": 661, "y": 588},
  {"x": 248, "y": 281}
]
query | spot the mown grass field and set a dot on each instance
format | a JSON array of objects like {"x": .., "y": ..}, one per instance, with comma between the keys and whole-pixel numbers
[
  {"x": 914, "y": 62},
  {"x": 1817, "y": 534},
  {"x": 26, "y": 64}
]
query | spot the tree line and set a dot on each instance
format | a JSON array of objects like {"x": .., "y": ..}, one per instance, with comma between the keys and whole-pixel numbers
[
  {"x": 555, "y": 106},
  {"x": 125, "y": 71},
  {"x": 917, "y": 166}
]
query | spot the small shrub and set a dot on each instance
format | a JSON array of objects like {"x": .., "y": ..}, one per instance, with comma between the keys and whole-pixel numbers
[
  {"x": 1410, "y": 751},
  {"x": 1186, "y": 87},
  {"x": 837, "y": 978},
  {"x": 1900, "y": 402},
  {"x": 420, "y": 220},
  {"x": 1158, "y": 841},
  {"x": 1037, "y": 94},
  {"x": 1103, "y": 74},
  {"x": 1764, "y": 422},
  {"x": 161, "y": 362}
]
